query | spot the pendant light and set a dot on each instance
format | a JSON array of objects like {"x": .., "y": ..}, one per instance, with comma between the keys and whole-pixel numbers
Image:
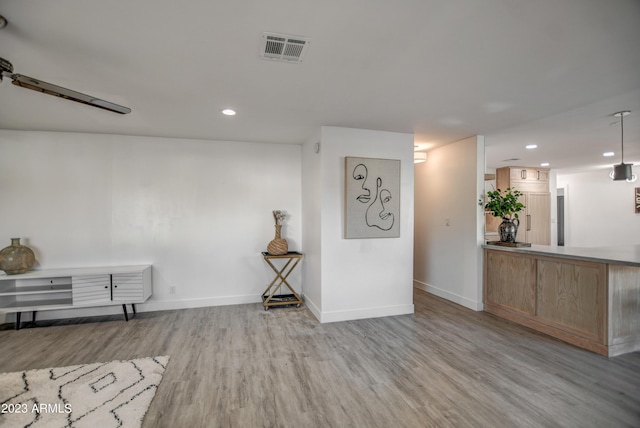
[{"x": 622, "y": 171}]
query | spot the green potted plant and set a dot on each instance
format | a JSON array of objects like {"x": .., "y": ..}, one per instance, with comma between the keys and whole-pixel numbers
[{"x": 506, "y": 206}]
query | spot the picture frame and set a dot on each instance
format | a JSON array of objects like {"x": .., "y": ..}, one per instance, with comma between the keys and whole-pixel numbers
[{"x": 372, "y": 198}]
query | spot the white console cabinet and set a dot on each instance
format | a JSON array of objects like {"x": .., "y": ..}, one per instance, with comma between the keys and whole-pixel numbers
[{"x": 51, "y": 289}]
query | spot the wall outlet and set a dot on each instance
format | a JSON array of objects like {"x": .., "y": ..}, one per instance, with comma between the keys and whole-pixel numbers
[{"x": 172, "y": 290}]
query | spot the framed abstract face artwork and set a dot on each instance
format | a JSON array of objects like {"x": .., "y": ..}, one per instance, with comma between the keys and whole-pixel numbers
[{"x": 372, "y": 198}]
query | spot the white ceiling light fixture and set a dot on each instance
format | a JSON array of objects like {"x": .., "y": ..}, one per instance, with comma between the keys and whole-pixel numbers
[
  {"x": 229, "y": 112},
  {"x": 419, "y": 157},
  {"x": 544, "y": 164},
  {"x": 608, "y": 154},
  {"x": 622, "y": 171},
  {"x": 531, "y": 146}
]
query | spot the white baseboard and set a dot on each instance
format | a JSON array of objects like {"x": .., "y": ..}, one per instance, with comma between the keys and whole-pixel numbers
[
  {"x": 313, "y": 308},
  {"x": 336, "y": 316},
  {"x": 382, "y": 311},
  {"x": 148, "y": 306},
  {"x": 452, "y": 297},
  {"x": 65, "y": 313},
  {"x": 168, "y": 305}
]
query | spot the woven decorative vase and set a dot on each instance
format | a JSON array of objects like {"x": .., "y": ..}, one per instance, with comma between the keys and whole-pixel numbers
[
  {"x": 16, "y": 258},
  {"x": 278, "y": 246}
]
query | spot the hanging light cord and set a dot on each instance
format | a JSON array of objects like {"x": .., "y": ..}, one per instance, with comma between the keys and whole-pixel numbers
[{"x": 622, "y": 136}]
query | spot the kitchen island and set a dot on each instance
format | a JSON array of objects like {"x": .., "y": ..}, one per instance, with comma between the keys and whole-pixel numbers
[{"x": 589, "y": 297}]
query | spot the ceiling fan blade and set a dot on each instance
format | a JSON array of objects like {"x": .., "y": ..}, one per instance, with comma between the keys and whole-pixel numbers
[{"x": 59, "y": 91}]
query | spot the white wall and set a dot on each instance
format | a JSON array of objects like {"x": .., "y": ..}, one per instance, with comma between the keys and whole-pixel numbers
[
  {"x": 312, "y": 215},
  {"x": 359, "y": 278},
  {"x": 449, "y": 226},
  {"x": 199, "y": 211},
  {"x": 599, "y": 211}
]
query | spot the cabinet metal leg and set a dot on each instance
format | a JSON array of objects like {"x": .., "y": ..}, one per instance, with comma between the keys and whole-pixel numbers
[
  {"x": 124, "y": 310},
  {"x": 33, "y": 318},
  {"x": 17, "y": 326}
]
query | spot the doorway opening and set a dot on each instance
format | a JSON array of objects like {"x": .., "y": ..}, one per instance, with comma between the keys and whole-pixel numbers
[{"x": 560, "y": 216}]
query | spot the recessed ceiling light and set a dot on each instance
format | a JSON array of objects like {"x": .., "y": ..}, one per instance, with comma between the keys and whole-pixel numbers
[
  {"x": 228, "y": 112},
  {"x": 531, "y": 146},
  {"x": 544, "y": 164},
  {"x": 608, "y": 154}
]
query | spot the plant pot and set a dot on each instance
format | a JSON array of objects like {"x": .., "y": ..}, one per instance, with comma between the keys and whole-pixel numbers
[{"x": 508, "y": 229}]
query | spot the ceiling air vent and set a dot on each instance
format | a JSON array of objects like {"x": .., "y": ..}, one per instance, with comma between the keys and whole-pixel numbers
[{"x": 283, "y": 48}]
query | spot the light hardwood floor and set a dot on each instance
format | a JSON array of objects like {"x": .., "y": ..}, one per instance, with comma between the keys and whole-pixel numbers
[{"x": 444, "y": 366}]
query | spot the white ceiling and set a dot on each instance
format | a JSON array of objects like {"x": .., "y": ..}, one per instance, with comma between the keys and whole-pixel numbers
[{"x": 517, "y": 71}]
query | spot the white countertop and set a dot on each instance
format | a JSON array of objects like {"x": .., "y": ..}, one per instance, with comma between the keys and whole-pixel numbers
[{"x": 624, "y": 255}]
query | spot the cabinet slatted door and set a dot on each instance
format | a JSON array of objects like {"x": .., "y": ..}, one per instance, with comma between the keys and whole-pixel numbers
[
  {"x": 91, "y": 289},
  {"x": 128, "y": 287}
]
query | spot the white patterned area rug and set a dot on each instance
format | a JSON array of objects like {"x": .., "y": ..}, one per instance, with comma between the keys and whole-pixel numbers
[{"x": 100, "y": 395}]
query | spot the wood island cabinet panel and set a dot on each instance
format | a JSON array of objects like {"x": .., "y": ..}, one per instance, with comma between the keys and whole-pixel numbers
[
  {"x": 624, "y": 306},
  {"x": 591, "y": 303},
  {"x": 572, "y": 296},
  {"x": 564, "y": 298},
  {"x": 510, "y": 281}
]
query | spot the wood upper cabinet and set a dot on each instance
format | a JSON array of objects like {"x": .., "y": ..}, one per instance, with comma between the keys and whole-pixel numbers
[
  {"x": 529, "y": 174},
  {"x": 535, "y": 221},
  {"x": 525, "y": 179}
]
